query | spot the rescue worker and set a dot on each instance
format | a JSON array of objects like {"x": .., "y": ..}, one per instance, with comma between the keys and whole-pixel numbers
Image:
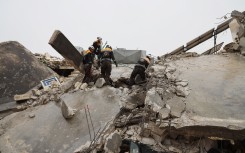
[
  {"x": 97, "y": 46},
  {"x": 106, "y": 57},
  {"x": 140, "y": 68},
  {"x": 88, "y": 58}
]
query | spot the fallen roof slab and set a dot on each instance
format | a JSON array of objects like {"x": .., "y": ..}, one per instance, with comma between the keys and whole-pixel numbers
[
  {"x": 20, "y": 70},
  {"x": 216, "y": 101},
  {"x": 48, "y": 131}
]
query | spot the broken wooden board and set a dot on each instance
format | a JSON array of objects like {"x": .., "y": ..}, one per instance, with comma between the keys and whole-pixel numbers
[{"x": 63, "y": 46}]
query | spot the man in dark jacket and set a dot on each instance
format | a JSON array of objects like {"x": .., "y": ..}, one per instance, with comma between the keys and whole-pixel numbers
[
  {"x": 88, "y": 58},
  {"x": 106, "y": 56},
  {"x": 139, "y": 69}
]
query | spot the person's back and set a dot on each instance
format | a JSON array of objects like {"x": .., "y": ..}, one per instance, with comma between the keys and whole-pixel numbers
[
  {"x": 144, "y": 61},
  {"x": 106, "y": 56},
  {"x": 87, "y": 57},
  {"x": 139, "y": 69}
]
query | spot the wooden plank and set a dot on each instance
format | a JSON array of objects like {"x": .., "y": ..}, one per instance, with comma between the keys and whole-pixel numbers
[{"x": 63, "y": 46}]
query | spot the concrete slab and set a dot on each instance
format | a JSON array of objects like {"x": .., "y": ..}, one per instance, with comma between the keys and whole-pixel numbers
[
  {"x": 20, "y": 70},
  {"x": 48, "y": 131},
  {"x": 217, "y": 96}
]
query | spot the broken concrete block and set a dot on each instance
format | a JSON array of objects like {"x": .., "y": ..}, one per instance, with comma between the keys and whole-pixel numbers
[
  {"x": 22, "y": 97},
  {"x": 154, "y": 99},
  {"x": 113, "y": 143},
  {"x": 170, "y": 70},
  {"x": 183, "y": 83},
  {"x": 83, "y": 86},
  {"x": 177, "y": 106},
  {"x": 175, "y": 150},
  {"x": 171, "y": 77},
  {"x": 100, "y": 82},
  {"x": 36, "y": 92},
  {"x": 148, "y": 141},
  {"x": 77, "y": 85},
  {"x": 31, "y": 115},
  {"x": 130, "y": 132},
  {"x": 67, "y": 112},
  {"x": 182, "y": 91},
  {"x": 164, "y": 113}
]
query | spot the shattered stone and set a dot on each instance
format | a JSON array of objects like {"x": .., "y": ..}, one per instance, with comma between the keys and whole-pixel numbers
[
  {"x": 67, "y": 112},
  {"x": 177, "y": 106},
  {"x": 182, "y": 91},
  {"x": 25, "y": 96},
  {"x": 83, "y": 86},
  {"x": 164, "y": 113},
  {"x": 36, "y": 92},
  {"x": 148, "y": 141},
  {"x": 130, "y": 132},
  {"x": 77, "y": 85},
  {"x": 31, "y": 115},
  {"x": 100, "y": 82},
  {"x": 183, "y": 83},
  {"x": 170, "y": 70},
  {"x": 173, "y": 149},
  {"x": 43, "y": 99},
  {"x": 171, "y": 77},
  {"x": 154, "y": 99},
  {"x": 34, "y": 97},
  {"x": 113, "y": 143}
]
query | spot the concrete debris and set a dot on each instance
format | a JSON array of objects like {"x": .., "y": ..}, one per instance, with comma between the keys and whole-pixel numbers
[
  {"x": 67, "y": 111},
  {"x": 23, "y": 97},
  {"x": 148, "y": 141},
  {"x": 164, "y": 112},
  {"x": 175, "y": 150},
  {"x": 113, "y": 143},
  {"x": 83, "y": 86},
  {"x": 77, "y": 85},
  {"x": 100, "y": 82},
  {"x": 31, "y": 115},
  {"x": 154, "y": 100},
  {"x": 182, "y": 91},
  {"x": 177, "y": 106}
]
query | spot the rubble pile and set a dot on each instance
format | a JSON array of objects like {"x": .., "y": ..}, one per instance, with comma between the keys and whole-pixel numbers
[{"x": 51, "y": 61}]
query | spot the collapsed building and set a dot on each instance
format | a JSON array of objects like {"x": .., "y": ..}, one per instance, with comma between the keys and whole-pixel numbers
[{"x": 190, "y": 103}]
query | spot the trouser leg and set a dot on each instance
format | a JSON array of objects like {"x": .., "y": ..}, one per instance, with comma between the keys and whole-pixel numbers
[
  {"x": 133, "y": 75},
  {"x": 88, "y": 73}
]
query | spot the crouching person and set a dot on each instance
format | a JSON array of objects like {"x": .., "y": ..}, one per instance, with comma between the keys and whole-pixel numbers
[
  {"x": 106, "y": 57},
  {"x": 139, "y": 69}
]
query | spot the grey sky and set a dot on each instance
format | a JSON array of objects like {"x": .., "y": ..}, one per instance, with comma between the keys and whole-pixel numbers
[{"x": 158, "y": 26}]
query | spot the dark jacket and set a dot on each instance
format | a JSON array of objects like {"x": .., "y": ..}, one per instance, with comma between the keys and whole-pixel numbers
[
  {"x": 107, "y": 54},
  {"x": 88, "y": 57}
]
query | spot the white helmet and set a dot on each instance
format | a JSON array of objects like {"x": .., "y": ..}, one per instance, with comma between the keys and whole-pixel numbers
[{"x": 91, "y": 47}]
